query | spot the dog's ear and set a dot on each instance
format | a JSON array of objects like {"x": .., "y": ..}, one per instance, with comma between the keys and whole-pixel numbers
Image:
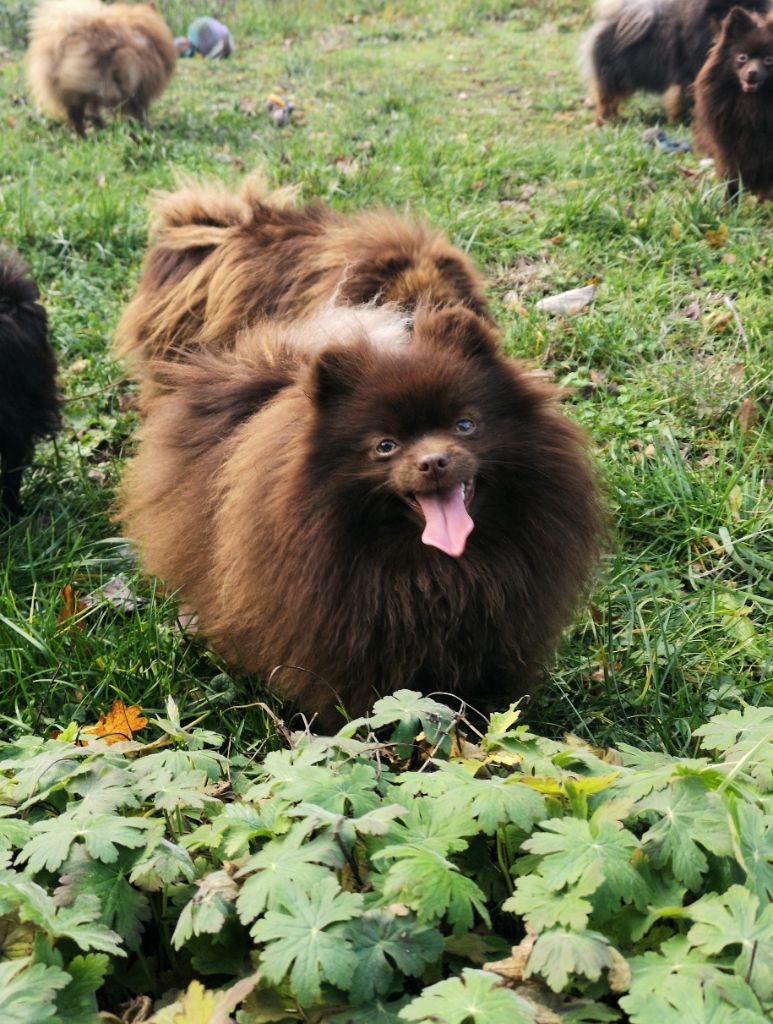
[
  {"x": 457, "y": 272},
  {"x": 336, "y": 373},
  {"x": 738, "y": 23},
  {"x": 457, "y": 327}
]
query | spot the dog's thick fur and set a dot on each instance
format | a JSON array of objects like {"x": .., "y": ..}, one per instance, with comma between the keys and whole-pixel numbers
[
  {"x": 29, "y": 404},
  {"x": 734, "y": 103},
  {"x": 220, "y": 262},
  {"x": 267, "y": 488},
  {"x": 85, "y": 56},
  {"x": 652, "y": 45}
]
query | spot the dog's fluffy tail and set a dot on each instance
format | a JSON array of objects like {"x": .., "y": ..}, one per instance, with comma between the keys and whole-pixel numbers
[
  {"x": 195, "y": 213},
  {"x": 631, "y": 19},
  {"x": 185, "y": 226}
]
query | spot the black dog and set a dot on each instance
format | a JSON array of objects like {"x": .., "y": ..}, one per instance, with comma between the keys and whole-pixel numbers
[
  {"x": 654, "y": 45},
  {"x": 29, "y": 402}
]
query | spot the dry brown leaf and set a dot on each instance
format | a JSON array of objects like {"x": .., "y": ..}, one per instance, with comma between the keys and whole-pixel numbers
[
  {"x": 119, "y": 723},
  {"x": 718, "y": 237},
  {"x": 97, "y": 476},
  {"x": 116, "y": 592},
  {"x": 619, "y": 974},
  {"x": 511, "y": 968},
  {"x": 347, "y": 166},
  {"x": 747, "y": 414},
  {"x": 569, "y": 302}
]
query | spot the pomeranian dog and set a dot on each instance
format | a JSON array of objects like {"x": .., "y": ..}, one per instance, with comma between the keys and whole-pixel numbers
[
  {"x": 734, "y": 103},
  {"x": 652, "y": 45},
  {"x": 221, "y": 261},
  {"x": 85, "y": 56},
  {"x": 356, "y": 503},
  {"x": 29, "y": 403}
]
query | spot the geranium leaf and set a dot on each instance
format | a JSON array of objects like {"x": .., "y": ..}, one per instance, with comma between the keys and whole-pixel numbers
[
  {"x": 207, "y": 911},
  {"x": 347, "y": 790},
  {"x": 102, "y": 834},
  {"x": 745, "y": 739},
  {"x": 559, "y": 954},
  {"x": 572, "y": 849},
  {"x": 77, "y": 1004},
  {"x": 690, "y": 817},
  {"x": 412, "y": 713},
  {"x": 735, "y": 919},
  {"x": 476, "y": 996},
  {"x": 542, "y": 907},
  {"x": 28, "y": 991},
  {"x": 496, "y": 801},
  {"x": 384, "y": 943},
  {"x": 305, "y": 941},
  {"x": 121, "y": 905},
  {"x": 433, "y": 886},
  {"x": 282, "y": 868}
]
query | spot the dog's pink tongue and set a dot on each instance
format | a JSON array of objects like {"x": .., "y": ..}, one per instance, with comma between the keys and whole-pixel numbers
[{"x": 448, "y": 524}]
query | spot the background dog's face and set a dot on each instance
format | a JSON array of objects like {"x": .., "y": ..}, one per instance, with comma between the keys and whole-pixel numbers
[
  {"x": 747, "y": 43},
  {"x": 419, "y": 436}
]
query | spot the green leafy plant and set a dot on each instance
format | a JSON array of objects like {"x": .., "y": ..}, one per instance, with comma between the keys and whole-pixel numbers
[{"x": 389, "y": 874}]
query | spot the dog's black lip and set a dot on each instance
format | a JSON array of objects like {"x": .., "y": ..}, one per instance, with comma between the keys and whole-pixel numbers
[
  {"x": 412, "y": 502},
  {"x": 750, "y": 86}
]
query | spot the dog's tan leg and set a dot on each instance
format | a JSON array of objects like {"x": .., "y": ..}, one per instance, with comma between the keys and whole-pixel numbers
[{"x": 673, "y": 102}]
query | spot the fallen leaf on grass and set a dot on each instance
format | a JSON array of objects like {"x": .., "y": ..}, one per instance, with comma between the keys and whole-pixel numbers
[
  {"x": 119, "y": 723},
  {"x": 97, "y": 476},
  {"x": 747, "y": 414},
  {"x": 716, "y": 238},
  {"x": 71, "y": 605},
  {"x": 568, "y": 303},
  {"x": 347, "y": 166},
  {"x": 512, "y": 300},
  {"x": 117, "y": 593}
]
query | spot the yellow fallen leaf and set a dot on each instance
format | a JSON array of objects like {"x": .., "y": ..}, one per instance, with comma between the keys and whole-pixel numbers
[
  {"x": 716, "y": 238},
  {"x": 119, "y": 723}
]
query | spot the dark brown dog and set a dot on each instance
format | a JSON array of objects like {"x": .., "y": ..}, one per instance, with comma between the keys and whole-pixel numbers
[
  {"x": 29, "y": 403},
  {"x": 85, "y": 56},
  {"x": 221, "y": 261},
  {"x": 651, "y": 45},
  {"x": 367, "y": 503},
  {"x": 734, "y": 103}
]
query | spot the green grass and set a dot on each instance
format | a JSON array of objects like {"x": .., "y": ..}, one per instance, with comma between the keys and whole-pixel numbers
[{"x": 473, "y": 114}]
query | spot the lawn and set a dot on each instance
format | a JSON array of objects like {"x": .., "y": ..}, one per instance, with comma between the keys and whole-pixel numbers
[{"x": 472, "y": 114}]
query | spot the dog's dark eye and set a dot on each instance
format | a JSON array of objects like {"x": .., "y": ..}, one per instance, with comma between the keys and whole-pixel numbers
[
  {"x": 741, "y": 58},
  {"x": 465, "y": 426},
  {"x": 386, "y": 447},
  {"x": 768, "y": 61}
]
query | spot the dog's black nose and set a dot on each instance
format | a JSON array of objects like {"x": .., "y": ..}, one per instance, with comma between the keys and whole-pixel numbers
[
  {"x": 434, "y": 462},
  {"x": 752, "y": 75}
]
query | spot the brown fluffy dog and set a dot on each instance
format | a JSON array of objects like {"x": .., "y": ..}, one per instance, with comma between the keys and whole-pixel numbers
[
  {"x": 377, "y": 503},
  {"x": 654, "y": 45},
  {"x": 221, "y": 261},
  {"x": 85, "y": 55},
  {"x": 734, "y": 103}
]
